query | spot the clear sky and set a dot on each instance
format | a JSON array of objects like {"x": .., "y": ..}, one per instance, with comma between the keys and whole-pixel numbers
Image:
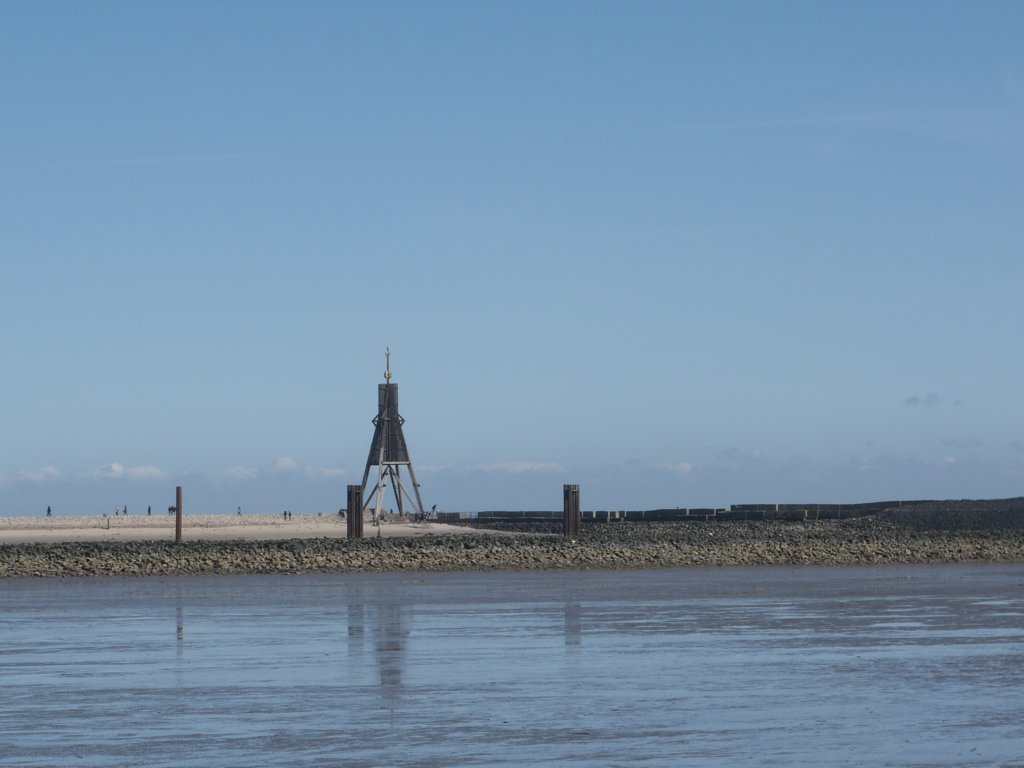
[{"x": 681, "y": 253}]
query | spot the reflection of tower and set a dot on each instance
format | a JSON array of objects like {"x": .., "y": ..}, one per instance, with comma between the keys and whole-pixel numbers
[
  {"x": 376, "y": 616},
  {"x": 391, "y": 637},
  {"x": 388, "y": 451}
]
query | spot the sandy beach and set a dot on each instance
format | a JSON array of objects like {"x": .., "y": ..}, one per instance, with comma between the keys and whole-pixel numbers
[{"x": 28, "y": 530}]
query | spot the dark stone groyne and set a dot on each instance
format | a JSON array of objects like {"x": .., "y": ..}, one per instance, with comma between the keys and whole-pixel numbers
[
  {"x": 863, "y": 540},
  {"x": 983, "y": 513},
  {"x": 966, "y": 514}
]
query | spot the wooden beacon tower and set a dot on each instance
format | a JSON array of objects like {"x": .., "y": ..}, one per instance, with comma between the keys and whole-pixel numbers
[{"x": 389, "y": 452}]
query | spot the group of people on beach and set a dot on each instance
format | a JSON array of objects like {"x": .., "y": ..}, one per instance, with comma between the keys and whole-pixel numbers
[
  {"x": 124, "y": 512},
  {"x": 118, "y": 512}
]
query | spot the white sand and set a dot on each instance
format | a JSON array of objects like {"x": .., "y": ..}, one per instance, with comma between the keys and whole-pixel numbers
[{"x": 23, "y": 530}]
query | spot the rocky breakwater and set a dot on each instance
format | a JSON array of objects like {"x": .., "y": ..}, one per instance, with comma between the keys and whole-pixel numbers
[
  {"x": 537, "y": 546},
  {"x": 975, "y": 537}
]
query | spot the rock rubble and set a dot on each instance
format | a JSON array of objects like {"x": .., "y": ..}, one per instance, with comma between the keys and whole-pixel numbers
[{"x": 872, "y": 540}]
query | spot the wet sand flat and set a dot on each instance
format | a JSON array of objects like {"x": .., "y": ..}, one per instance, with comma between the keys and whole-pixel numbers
[{"x": 841, "y": 667}]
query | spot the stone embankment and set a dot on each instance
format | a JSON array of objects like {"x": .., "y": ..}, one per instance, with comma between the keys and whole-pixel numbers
[
  {"x": 985, "y": 514},
  {"x": 873, "y": 540}
]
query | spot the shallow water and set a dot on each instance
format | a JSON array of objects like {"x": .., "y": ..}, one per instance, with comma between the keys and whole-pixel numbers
[{"x": 902, "y": 666}]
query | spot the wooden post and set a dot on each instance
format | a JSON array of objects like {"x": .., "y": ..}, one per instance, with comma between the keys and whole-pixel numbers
[
  {"x": 354, "y": 512},
  {"x": 177, "y": 515},
  {"x": 571, "y": 511}
]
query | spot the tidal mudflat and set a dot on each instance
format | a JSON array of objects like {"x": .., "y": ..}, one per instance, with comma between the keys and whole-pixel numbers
[{"x": 893, "y": 665}]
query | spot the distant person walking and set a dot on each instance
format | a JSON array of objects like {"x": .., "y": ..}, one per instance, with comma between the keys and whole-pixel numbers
[
  {"x": 49, "y": 512},
  {"x": 117, "y": 510},
  {"x": 149, "y": 510}
]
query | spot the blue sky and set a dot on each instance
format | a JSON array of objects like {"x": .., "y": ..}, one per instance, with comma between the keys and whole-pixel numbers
[{"x": 683, "y": 254}]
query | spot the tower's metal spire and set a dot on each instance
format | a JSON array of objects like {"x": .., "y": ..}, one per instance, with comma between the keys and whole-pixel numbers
[{"x": 387, "y": 373}]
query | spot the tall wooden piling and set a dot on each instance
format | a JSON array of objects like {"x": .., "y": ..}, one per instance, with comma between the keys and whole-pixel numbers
[
  {"x": 177, "y": 515},
  {"x": 354, "y": 512},
  {"x": 572, "y": 518}
]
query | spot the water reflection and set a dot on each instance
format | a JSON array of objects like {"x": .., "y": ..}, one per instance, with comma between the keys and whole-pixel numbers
[
  {"x": 381, "y": 618},
  {"x": 725, "y": 667},
  {"x": 390, "y": 643},
  {"x": 573, "y": 624},
  {"x": 356, "y": 621},
  {"x": 181, "y": 631}
]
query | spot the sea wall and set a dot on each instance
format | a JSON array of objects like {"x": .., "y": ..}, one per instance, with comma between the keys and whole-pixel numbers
[
  {"x": 629, "y": 545},
  {"x": 979, "y": 513}
]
